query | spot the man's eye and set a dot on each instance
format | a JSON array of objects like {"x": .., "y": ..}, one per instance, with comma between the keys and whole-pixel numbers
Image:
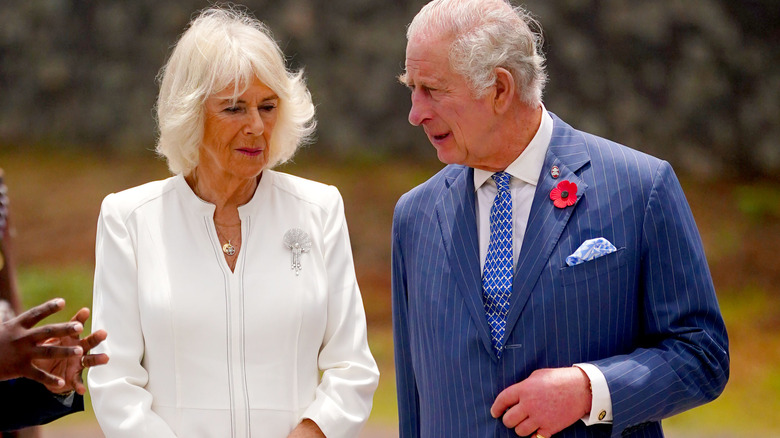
[{"x": 429, "y": 90}]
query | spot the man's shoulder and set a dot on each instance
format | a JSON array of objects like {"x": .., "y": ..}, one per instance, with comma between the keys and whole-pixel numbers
[
  {"x": 601, "y": 151},
  {"x": 426, "y": 195},
  {"x": 436, "y": 183}
]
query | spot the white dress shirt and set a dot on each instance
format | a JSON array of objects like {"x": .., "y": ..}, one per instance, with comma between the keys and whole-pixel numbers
[
  {"x": 525, "y": 171},
  {"x": 198, "y": 350}
]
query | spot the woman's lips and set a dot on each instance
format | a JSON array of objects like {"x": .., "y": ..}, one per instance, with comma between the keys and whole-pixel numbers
[{"x": 250, "y": 152}]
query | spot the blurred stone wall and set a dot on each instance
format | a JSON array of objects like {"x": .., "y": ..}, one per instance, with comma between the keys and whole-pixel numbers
[{"x": 696, "y": 82}]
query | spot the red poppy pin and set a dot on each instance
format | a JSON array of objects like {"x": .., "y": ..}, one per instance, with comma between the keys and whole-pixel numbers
[{"x": 564, "y": 195}]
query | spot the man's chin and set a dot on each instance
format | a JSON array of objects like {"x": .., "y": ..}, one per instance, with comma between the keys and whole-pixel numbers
[{"x": 446, "y": 156}]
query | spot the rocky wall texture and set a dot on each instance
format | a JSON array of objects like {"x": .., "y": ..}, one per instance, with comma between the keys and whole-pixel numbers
[{"x": 696, "y": 81}]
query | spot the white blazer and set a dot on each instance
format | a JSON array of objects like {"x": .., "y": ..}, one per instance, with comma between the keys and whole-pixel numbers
[{"x": 199, "y": 351}]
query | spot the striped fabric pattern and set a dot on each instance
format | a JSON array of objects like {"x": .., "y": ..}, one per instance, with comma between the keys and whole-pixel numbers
[{"x": 646, "y": 315}]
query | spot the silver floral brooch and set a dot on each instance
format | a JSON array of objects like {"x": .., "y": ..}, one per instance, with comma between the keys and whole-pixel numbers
[{"x": 298, "y": 242}]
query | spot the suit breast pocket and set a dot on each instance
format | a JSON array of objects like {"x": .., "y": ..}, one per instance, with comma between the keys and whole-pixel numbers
[{"x": 593, "y": 268}]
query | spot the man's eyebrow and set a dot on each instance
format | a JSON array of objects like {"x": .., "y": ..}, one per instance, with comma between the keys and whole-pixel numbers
[{"x": 403, "y": 79}]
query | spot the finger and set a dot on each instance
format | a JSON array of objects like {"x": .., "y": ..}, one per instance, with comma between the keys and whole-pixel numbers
[
  {"x": 93, "y": 360},
  {"x": 80, "y": 388},
  {"x": 41, "y": 311},
  {"x": 93, "y": 340},
  {"x": 78, "y": 383},
  {"x": 545, "y": 432},
  {"x": 55, "y": 352},
  {"x": 47, "y": 379},
  {"x": 514, "y": 416},
  {"x": 505, "y": 399},
  {"x": 61, "y": 330},
  {"x": 81, "y": 316},
  {"x": 527, "y": 427},
  {"x": 51, "y": 342}
]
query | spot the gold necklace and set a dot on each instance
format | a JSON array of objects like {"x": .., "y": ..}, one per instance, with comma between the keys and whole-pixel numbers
[{"x": 227, "y": 248}]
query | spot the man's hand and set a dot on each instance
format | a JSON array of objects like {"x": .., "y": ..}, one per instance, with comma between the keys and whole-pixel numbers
[
  {"x": 307, "y": 429},
  {"x": 545, "y": 403},
  {"x": 21, "y": 343},
  {"x": 70, "y": 368}
]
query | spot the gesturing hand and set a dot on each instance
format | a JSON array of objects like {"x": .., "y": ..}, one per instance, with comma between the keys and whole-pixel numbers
[
  {"x": 21, "y": 343},
  {"x": 545, "y": 403},
  {"x": 70, "y": 368}
]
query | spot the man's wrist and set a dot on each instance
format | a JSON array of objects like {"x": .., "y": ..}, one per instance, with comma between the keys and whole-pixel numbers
[
  {"x": 601, "y": 401},
  {"x": 64, "y": 396},
  {"x": 588, "y": 391}
]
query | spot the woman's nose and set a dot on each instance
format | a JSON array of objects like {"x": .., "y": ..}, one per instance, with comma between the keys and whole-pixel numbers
[{"x": 254, "y": 125}]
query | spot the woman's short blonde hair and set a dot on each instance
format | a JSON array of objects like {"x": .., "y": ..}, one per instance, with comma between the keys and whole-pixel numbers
[{"x": 224, "y": 47}]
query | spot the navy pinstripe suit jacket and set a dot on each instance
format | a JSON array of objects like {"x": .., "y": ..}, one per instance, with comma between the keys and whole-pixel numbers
[{"x": 646, "y": 315}]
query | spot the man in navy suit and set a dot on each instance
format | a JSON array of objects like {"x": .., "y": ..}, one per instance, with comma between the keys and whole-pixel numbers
[{"x": 546, "y": 281}]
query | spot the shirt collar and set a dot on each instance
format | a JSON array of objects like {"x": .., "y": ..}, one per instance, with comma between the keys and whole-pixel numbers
[{"x": 528, "y": 165}]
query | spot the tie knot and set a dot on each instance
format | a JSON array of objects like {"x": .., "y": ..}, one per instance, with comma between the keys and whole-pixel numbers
[{"x": 502, "y": 181}]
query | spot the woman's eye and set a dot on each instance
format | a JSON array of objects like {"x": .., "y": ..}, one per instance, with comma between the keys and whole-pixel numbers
[
  {"x": 267, "y": 107},
  {"x": 232, "y": 109}
]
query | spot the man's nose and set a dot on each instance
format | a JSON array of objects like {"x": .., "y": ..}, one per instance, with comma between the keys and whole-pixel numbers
[{"x": 420, "y": 110}]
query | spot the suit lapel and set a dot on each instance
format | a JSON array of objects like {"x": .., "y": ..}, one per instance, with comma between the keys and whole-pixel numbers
[
  {"x": 456, "y": 212},
  {"x": 546, "y": 222}
]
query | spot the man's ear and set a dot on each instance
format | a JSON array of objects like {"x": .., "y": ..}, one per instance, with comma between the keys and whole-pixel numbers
[{"x": 505, "y": 90}]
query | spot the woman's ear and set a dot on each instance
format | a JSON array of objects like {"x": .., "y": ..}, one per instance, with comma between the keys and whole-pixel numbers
[{"x": 505, "y": 90}]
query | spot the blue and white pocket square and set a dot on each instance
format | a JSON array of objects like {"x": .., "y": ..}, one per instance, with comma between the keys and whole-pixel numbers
[{"x": 589, "y": 250}]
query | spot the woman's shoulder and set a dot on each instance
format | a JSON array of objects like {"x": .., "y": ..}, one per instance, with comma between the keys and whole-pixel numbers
[
  {"x": 128, "y": 200},
  {"x": 305, "y": 189}
]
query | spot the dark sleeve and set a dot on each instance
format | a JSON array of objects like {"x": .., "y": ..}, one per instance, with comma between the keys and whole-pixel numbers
[
  {"x": 406, "y": 386},
  {"x": 26, "y": 403},
  {"x": 683, "y": 356}
]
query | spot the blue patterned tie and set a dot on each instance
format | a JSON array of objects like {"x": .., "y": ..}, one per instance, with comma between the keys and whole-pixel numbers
[{"x": 497, "y": 274}]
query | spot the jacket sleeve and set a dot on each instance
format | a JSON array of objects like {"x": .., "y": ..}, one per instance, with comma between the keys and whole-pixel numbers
[
  {"x": 121, "y": 404},
  {"x": 349, "y": 373},
  {"x": 682, "y": 359},
  {"x": 406, "y": 386},
  {"x": 25, "y": 403}
]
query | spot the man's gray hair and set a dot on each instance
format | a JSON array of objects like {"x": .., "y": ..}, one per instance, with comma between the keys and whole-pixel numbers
[
  {"x": 487, "y": 34},
  {"x": 226, "y": 47}
]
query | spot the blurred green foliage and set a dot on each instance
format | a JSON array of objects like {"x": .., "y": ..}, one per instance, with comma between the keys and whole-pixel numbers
[
  {"x": 73, "y": 283},
  {"x": 759, "y": 202},
  {"x": 751, "y": 400}
]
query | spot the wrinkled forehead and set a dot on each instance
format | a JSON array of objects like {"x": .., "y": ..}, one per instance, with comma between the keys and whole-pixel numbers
[
  {"x": 427, "y": 54},
  {"x": 428, "y": 47}
]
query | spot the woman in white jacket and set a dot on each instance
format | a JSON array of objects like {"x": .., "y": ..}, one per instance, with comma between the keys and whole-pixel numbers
[{"x": 229, "y": 289}]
